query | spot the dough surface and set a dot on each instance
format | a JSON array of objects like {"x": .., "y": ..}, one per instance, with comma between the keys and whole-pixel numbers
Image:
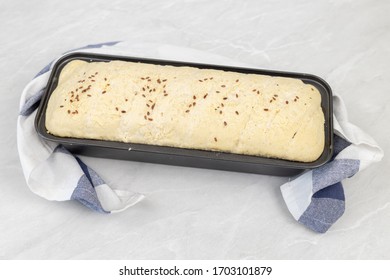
[{"x": 187, "y": 107}]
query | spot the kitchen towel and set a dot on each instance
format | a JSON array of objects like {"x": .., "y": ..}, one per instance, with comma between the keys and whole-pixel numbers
[
  {"x": 50, "y": 170},
  {"x": 315, "y": 199}
]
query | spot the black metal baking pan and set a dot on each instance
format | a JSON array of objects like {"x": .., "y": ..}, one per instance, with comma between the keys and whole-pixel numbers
[{"x": 180, "y": 156}]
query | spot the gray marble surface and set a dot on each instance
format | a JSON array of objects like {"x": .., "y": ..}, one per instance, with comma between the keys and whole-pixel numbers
[{"x": 191, "y": 213}]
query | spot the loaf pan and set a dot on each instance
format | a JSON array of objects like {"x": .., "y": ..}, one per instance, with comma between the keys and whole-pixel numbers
[{"x": 180, "y": 156}]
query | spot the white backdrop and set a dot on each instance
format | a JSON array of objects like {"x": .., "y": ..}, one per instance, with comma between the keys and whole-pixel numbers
[{"x": 191, "y": 213}]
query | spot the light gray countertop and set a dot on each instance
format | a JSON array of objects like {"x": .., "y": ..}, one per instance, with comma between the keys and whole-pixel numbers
[{"x": 191, "y": 213}]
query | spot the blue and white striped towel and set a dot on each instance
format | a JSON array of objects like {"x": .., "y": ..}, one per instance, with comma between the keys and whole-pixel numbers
[{"x": 315, "y": 199}]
